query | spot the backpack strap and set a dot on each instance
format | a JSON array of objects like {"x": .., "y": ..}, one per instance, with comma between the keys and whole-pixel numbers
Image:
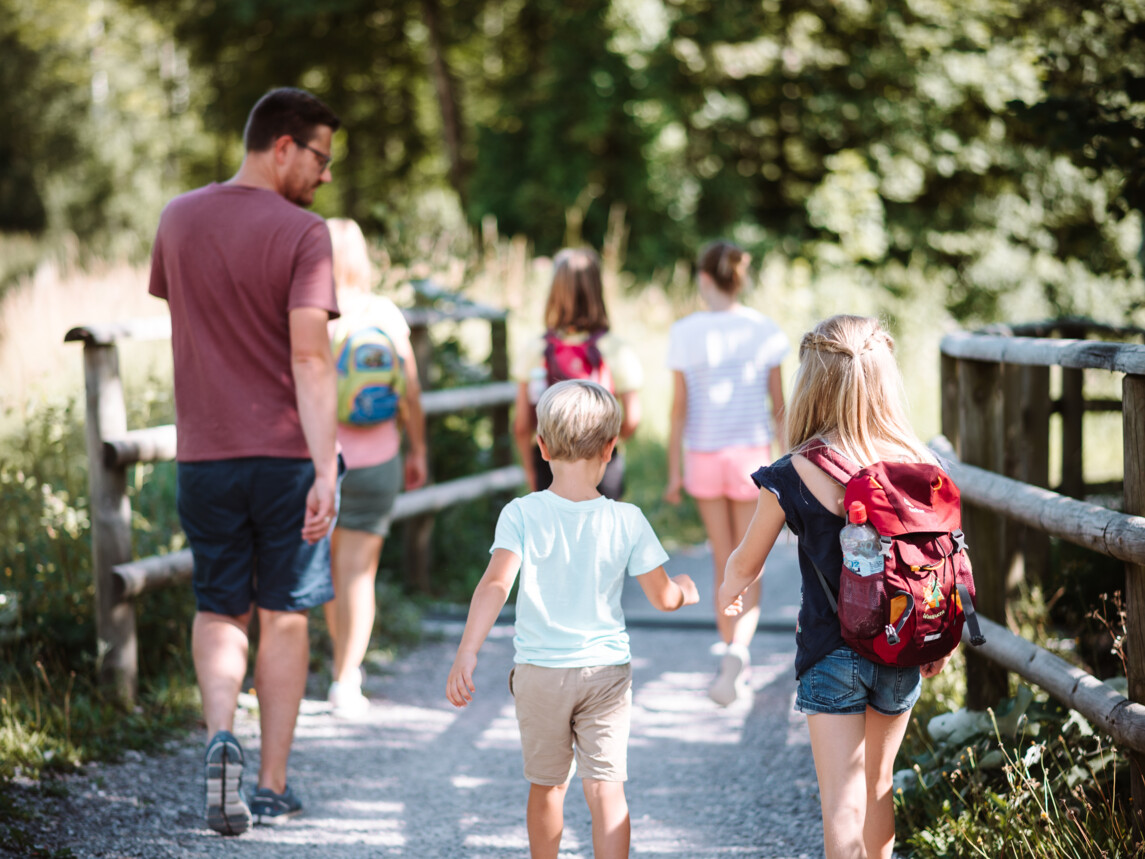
[
  {"x": 977, "y": 639},
  {"x": 834, "y": 603},
  {"x": 829, "y": 461}
]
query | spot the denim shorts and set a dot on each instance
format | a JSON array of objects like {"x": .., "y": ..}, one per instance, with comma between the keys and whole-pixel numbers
[
  {"x": 243, "y": 520},
  {"x": 844, "y": 683}
]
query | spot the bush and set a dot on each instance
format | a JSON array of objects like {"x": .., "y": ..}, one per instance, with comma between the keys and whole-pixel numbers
[{"x": 1029, "y": 779}]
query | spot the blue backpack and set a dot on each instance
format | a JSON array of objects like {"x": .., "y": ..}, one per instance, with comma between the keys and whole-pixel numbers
[{"x": 371, "y": 378}]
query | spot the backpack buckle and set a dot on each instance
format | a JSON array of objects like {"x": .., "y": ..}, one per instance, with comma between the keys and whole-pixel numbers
[
  {"x": 885, "y": 546},
  {"x": 959, "y": 540}
]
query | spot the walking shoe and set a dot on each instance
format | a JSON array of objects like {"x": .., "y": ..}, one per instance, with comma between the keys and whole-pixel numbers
[
  {"x": 270, "y": 808},
  {"x": 227, "y": 813},
  {"x": 725, "y": 689},
  {"x": 347, "y": 701}
]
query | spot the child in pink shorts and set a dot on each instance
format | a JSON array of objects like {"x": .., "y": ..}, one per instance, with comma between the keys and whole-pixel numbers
[{"x": 725, "y": 363}]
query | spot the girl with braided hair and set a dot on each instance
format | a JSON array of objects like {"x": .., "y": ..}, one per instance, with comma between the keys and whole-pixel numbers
[
  {"x": 725, "y": 364},
  {"x": 848, "y": 395}
]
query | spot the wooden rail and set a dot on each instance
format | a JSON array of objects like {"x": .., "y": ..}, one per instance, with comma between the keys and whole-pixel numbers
[
  {"x": 996, "y": 408},
  {"x": 112, "y": 448}
]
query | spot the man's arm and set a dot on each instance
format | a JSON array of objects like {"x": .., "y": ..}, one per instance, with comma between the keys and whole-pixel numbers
[{"x": 315, "y": 384}]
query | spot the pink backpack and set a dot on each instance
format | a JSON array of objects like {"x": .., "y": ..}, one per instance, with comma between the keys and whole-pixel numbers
[
  {"x": 566, "y": 360},
  {"x": 913, "y": 611}
]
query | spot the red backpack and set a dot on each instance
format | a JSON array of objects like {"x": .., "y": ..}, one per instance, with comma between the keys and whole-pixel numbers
[
  {"x": 565, "y": 360},
  {"x": 926, "y": 589}
]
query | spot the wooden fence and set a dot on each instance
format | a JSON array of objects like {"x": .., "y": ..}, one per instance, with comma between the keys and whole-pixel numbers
[
  {"x": 996, "y": 408},
  {"x": 112, "y": 448}
]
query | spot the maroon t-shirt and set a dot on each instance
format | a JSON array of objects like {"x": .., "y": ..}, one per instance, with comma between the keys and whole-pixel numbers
[{"x": 232, "y": 262}]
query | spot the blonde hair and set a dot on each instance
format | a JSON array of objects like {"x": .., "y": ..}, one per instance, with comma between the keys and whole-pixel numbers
[
  {"x": 726, "y": 264},
  {"x": 849, "y": 389},
  {"x": 352, "y": 267},
  {"x": 576, "y": 296},
  {"x": 577, "y": 419}
]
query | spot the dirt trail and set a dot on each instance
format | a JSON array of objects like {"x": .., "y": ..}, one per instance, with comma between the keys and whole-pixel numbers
[{"x": 417, "y": 778}]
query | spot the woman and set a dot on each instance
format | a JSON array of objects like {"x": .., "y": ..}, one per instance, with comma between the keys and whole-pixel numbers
[{"x": 374, "y": 471}]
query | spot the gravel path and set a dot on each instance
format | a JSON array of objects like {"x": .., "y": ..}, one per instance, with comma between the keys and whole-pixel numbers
[{"x": 417, "y": 778}]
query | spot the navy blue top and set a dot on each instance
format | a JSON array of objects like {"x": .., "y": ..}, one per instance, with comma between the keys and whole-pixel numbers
[{"x": 817, "y": 530}]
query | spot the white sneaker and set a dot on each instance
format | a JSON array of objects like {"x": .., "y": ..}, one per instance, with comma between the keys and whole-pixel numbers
[
  {"x": 725, "y": 689},
  {"x": 347, "y": 701}
]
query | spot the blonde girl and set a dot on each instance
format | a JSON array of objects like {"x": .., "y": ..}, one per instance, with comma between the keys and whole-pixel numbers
[
  {"x": 375, "y": 474},
  {"x": 848, "y": 394},
  {"x": 725, "y": 367},
  {"x": 575, "y": 314}
]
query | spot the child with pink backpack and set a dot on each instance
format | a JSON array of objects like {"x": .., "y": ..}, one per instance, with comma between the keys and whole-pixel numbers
[
  {"x": 849, "y": 436},
  {"x": 578, "y": 343}
]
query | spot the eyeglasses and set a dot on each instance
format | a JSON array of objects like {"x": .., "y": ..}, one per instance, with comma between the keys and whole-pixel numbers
[{"x": 324, "y": 160}]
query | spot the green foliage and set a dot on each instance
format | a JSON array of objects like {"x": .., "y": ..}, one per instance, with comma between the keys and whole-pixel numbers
[
  {"x": 102, "y": 121},
  {"x": 1031, "y": 780}
]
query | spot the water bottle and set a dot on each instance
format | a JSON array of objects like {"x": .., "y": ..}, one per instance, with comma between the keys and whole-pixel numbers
[{"x": 862, "y": 552}]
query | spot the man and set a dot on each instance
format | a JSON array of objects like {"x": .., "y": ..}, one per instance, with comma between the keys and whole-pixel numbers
[{"x": 247, "y": 275}]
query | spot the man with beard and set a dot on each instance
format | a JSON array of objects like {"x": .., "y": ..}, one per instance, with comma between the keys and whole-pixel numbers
[{"x": 246, "y": 272}]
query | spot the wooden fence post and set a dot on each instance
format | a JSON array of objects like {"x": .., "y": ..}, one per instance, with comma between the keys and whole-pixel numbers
[
  {"x": 417, "y": 531},
  {"x": 1133, "y": 421},
  {"x": 110, "y": 520},
  {"x": 1073, "y": 416},
  {"x": 948, "y": 387},
  {"x": 981, "y": 434},
  {"x": 1035, "y": 467},
  {"x": 499, "y": 371}
]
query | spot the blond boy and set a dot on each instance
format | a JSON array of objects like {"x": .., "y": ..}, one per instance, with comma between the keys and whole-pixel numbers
[{"x": 572, "y": 681}]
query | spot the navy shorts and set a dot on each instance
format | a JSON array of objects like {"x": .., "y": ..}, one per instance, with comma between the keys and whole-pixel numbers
[
  {"x": 243, "y": 519},
  {"x": 844, "y": 683}
]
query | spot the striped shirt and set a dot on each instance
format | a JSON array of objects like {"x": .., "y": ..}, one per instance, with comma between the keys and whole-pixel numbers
[{"x": 726, "y": 358}]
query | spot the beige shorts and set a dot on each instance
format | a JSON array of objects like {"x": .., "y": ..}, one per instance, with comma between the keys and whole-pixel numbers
[{"x": 564, "y": 712}]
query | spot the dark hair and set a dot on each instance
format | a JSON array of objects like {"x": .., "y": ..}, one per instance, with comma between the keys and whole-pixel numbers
[
  {"x": 286, "y": 111},
  {"x": 726, "y": 264}
]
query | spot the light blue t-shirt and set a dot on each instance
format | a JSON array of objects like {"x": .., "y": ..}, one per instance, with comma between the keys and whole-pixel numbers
[{"x": 574, "y": 556}]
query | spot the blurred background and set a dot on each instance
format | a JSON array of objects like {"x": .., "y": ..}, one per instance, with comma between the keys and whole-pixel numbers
[{"x": 943, "y": 164}]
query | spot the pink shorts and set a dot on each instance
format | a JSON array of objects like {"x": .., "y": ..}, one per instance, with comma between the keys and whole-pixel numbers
[{"x": 724, "y": 473}]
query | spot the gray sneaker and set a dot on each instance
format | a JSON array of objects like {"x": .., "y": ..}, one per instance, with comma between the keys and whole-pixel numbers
[
  {"x": 227, "y": 813},
  {"x": 270, "y": 808}
]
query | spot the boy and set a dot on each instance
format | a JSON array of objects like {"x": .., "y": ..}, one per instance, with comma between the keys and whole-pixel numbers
[{"x": 572, "y": 682}]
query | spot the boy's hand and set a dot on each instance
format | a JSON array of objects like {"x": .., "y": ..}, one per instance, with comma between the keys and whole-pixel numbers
[
  {"x": 459, "y": 687},
  {"x": 687, "y": 588},
  {"x": 728, "y": 601}
]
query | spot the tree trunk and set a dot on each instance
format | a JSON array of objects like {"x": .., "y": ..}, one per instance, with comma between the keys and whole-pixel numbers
[{"x": 446, "y": 88}]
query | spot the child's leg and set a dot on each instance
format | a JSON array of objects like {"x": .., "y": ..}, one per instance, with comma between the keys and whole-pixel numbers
[
  {"x": 883, "y": 737},
  {"x": 745, "y": 623},
  {"x": 716, "y": 514},
  {"x": 611, "y": 827},
  {"x": 545, "y": 819},
  {"x": 837, "y": 746}
]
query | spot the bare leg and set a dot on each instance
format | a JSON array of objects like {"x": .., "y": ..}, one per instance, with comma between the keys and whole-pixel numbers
[
  {"x": 837, "y": 744},
  {"x": 280, "y": 677},
  {"x": 883, "y": 737},
  {"x": 716, "y": 514},
  {"x": 219, "y": 649},
  {"x": 611, "y": 827},
  {"x": 545, "y": 818},
  {"x": 350, "y": 615},
  {"x": 744, "y": 624}
]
